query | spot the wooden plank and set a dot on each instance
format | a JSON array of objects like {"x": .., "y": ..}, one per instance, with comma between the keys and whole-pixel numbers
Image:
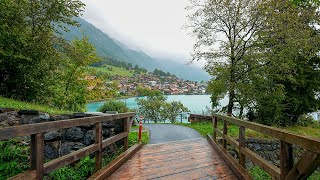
[
  {"x": 273, "y": 170},
  {"x": 215, "y": 126},
  {"x": 242, "y": 144},
  {"x": 308, "y": 143},
  {"x": 39, "y": 156},
  {"x": 286, "y": 159},
  {"x": 105, "y": 172},
  {"x": 26, "y": 130},
  {"x": 225, "y": 132},
  {"x": 113, "y": 139},
  {"x": 69, "y": 158},
  {"x": 33, "y": 152},
  {"x": 234, "y": 165},
  {"x": 126, "y": 129},
  {"x": 76, "y": 155},
  {"x": 98, "y": 142},
  {"x": 229, "y": 139},
  {"x": 219, "y": 132},
  {"x": 28, "y": 175},
  {"x": 306, "y": 165}
]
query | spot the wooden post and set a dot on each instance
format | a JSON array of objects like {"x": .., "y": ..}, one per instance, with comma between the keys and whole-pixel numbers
[
  {"x": 225, "y": 132},
  {"x": 242, "y": 144},
  {"x": 98, "y": 142},
  {"x": 37, "y": 154},
  {"x": 126, "y": 129},
  {"x": 286, "y": 159},
  {"x": 215, "y": 125}
]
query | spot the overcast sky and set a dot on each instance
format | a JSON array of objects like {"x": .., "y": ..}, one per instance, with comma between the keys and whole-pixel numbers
[{"x": 154, "y": 26}]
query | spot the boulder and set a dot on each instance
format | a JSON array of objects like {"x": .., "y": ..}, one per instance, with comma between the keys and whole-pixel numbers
[
  {"x": 8, "y": 119},
  {"x": 34, "y": 118},
  {"x": 51, "y": 150},
  {"x": 74, "y": 134},
  {"x": 52, "y": 135},
  {"x": 69, "y": 147},
  {"x": 89, "y": 137},
  {"x": 4, "y": 110},
  {"x": 28, "y": 112}
]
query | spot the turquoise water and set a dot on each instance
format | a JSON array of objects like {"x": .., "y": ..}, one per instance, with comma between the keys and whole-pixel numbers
[{"x": 195, "y": 103}]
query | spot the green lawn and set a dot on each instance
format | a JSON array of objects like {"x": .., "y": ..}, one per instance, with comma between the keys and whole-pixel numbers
[
  {"x": 18, "y": 105},
  {"x": 115, "y": 70},
  {"x": 233, "y": 130}
]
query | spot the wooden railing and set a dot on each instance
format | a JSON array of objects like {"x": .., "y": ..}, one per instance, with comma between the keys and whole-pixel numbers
[
  {"x": 36, "y": 131},
  {"x": 304, "y": 167}
]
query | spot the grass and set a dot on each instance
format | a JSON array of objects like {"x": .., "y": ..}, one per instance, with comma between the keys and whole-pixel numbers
[
  {"x": 115, "y": 70},
  {"x": 233, "y": 130},
  {"x": 133, "y": 136},
  {"x": 18, "y": 105}
]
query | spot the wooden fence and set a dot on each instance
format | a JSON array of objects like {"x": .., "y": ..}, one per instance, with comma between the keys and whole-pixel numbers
[
  {"x": 36, "y": 131},
  {"x": 305, "y": 166}
]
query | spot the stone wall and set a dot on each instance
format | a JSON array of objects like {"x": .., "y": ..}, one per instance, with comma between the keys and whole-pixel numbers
[
  {"x": 62, "y": 142},
  {"x": 267, "y": 149}
]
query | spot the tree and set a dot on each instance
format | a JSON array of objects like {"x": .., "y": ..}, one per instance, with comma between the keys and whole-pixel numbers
[
  {"x": 225, "y": 31},
  {"x": 27, "y": 38},
  {"x": 151, "y": 107},
  {"x": 172, "y": 109},
  {"x": 289, "y": 43},
  {"x": 71, "y": 87}
]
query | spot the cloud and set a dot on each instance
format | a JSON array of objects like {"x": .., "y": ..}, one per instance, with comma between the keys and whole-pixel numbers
[{"x": 154, "y": 26}]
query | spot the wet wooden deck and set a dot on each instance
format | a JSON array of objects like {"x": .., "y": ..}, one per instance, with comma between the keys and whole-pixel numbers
[{"x": 189, "y": 159}]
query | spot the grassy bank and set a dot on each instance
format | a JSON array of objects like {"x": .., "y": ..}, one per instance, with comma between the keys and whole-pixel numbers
[
  {"x": 113, "y": 70},
  {"x": 18, "y": 105},
  {"x": 233, "y": 130}
]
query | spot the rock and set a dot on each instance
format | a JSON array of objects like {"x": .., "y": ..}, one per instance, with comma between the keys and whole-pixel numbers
[
  {"x": 52, "y": 135},
  {"x": 51, "y": 150},
  {"x": 257, "y": 147},
  {"x": 106, "y": 132},
  {"x": 60, "y": 117},
  {"x": 28, "y": 112},
  {"x": 69, "y": 147},
  {"x": 74, "y": 133},
  {"x": 109, "y": 124},
  {"x": 32, "y": 119},
  {"x": 79, "y": 115},
  {"x": 8, "y": 119},
  {"x": 89, "y": 138},
  {"x": 4, "y": 110}
]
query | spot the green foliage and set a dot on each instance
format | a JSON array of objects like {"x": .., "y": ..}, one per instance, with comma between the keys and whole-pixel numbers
[
  {"x": 133, "y": 138},
  {"x": 18, "y": 105},
  {"x": 113, "y": 105},
  {"x": 172, "y": 109},
  {"x": 151, "y": 107},
  {"x": 82, "y": 170},
  {"x": 13, "y": 158},
  {"x": 258, "y": 174},
  {"x": 147, "y": 92},
  {"x": 70, "y": 88},
  {"x": 27, "y": 54}
]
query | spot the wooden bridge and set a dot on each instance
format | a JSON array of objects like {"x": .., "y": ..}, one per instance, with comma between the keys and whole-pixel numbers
[{"x": 188, "y": 159}]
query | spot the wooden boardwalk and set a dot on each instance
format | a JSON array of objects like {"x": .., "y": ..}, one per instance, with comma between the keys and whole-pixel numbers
[{"x": 188, "y": 159}]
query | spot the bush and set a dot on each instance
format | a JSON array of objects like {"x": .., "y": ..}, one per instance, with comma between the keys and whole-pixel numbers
[
  {"x": 306, "y": 121},
  {"x": 13, "y": 158},
  {"x": 113, "y": 105}
]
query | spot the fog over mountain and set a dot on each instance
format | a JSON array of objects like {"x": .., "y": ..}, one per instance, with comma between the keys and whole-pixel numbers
[{"x": 108, "y": 47}]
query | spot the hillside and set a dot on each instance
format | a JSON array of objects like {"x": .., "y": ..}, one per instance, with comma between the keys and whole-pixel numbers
[
  {"x": 113, "y": 70},
  {"x": 107, "y": 47}
]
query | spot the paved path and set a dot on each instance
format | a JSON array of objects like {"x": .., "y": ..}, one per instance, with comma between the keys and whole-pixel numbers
[
  {"x": 161, "y": 133},
  {"x": 179, "y": 160}
]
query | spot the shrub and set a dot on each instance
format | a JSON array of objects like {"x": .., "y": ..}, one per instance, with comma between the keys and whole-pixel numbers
[
  {"x": 113, "y": 105},
  {"x": 13, "y": 158}
]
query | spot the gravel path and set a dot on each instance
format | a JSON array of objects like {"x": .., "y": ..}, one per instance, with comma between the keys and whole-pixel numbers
[{"x": 161, "y": 133}]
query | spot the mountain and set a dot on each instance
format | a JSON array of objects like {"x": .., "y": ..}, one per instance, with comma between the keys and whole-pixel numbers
[{"x": 108, "y": 47}]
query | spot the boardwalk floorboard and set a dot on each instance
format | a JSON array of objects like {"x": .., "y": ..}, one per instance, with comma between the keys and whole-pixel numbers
[{"x": 189, "y": 159}]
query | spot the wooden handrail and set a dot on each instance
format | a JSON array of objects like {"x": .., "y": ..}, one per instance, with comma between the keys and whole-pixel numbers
[
  {"x": 307, "y": 164},
  {"x": 36, "y": 131}
]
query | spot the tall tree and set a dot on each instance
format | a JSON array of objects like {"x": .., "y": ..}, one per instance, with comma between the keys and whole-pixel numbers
[
  {"x": 225, "y": 31},
  {"x": 289, "y": 43},
  {"x": 27, "y": 38}
]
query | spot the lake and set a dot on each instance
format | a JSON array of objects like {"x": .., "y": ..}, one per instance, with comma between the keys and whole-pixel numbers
[{"x": 195, "y": 103}]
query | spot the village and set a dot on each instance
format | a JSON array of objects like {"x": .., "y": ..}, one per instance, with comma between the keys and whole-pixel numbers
[{"x": 169, "y": 85}]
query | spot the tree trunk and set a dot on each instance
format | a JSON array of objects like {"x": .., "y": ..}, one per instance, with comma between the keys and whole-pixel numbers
[{"x": 230, "y": 104}]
